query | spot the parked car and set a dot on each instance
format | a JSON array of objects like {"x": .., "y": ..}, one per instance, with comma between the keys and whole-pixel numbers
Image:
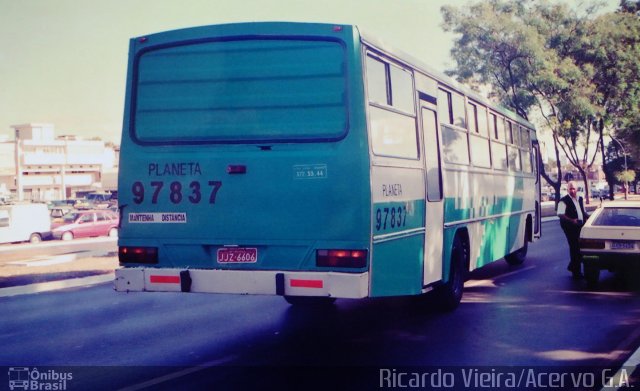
[
  {"x": 611, "y": 239},
  {"x": 24, "y": 222},
  {"x": 57, "y": 212},
  {"x": 85, "y": 223},
  {"x": 95, "y": 200}
]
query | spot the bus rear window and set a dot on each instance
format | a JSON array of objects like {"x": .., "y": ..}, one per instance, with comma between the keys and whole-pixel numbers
[{"x": 240, "y": 91}]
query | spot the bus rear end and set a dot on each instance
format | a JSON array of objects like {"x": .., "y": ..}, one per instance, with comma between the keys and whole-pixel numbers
[{"x": 244, "y": 162}]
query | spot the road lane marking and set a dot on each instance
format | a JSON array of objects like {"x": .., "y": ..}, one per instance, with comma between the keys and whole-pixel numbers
[
  {"x": 56, "y": 285},
  {"x": 178, "y": 374},
  {"x": 12, "y": 247},
  {"x": 45, "y": 261}
]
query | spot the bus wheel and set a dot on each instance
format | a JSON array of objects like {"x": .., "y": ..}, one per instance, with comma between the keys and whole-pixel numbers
[
  {"x": 309, "y": 300},
  {"x": 517, "y": 257},
  {"x": 35, "y": 238},
  {"x": 448, "y": 296}
]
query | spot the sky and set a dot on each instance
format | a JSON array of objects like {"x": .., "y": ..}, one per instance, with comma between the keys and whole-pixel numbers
[{"x": 64, "y": 62}]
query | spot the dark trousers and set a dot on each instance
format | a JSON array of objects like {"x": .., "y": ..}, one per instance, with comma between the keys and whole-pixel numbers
[{"x": 573, "y": 236}]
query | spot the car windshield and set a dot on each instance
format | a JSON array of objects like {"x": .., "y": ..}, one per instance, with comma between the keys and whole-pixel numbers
[
  {"x": 619, "y": 217},
  {"x": 97, "y": 197},
  {"x": 70, "y": 217}
]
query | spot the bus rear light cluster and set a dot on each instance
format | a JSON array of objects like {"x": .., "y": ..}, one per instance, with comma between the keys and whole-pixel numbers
[
  {"x": 341, "y": 258},
  {"x": 138, "y": 255},
  {"x": 594, "y": 244}
]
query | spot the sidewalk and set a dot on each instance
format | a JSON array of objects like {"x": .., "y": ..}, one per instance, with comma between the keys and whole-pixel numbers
[{"x": 55, "y": 268}]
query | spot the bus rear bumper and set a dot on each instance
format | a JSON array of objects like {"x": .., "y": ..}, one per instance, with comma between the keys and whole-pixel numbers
[{"x": 250, "y": 282}]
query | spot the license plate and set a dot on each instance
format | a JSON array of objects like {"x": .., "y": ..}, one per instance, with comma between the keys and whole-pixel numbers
[
  {"x": 237, "y": 255},
  {"x": 622, "y": 245}
]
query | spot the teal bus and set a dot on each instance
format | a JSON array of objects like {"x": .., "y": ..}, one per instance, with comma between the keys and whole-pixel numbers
[{"x": 314, "y": 162}]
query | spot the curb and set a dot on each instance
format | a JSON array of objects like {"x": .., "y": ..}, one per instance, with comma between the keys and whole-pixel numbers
[{"x": 56, "y": 285}]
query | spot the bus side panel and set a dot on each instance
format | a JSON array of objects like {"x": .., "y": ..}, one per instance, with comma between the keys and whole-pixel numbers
[
  {"x": 397, "y": 267},
  {"x": 490, "y": 208},
  {"x": 398, "y": 231}
]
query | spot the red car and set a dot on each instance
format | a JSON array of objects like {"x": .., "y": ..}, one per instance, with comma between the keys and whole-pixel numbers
[{"x": 85, "y": 223}]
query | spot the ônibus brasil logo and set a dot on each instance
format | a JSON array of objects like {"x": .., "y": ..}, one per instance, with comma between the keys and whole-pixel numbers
[{"x": 24, "y": 378}]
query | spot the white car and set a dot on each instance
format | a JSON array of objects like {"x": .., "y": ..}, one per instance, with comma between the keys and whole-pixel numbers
[{"x": 611, "y": 240}]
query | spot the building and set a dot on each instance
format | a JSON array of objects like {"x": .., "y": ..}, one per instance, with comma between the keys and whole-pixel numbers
[{"x": 39, "y": 166}]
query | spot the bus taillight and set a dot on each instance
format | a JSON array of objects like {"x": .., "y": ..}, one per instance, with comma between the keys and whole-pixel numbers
[
  {"x": 138, "y": 254},
  {"x": 341, "y": 258}
]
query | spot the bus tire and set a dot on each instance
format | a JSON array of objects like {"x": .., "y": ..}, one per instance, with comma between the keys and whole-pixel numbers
[
  {"x": 448, "y": 296},
  {"x": 309, "y": 300},
  {"x": 35, "y": 238},
  {"x": 517, "y": 257}
]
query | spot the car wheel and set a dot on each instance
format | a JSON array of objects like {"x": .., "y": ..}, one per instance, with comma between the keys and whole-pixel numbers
[
  {"x": 113, "y": 232},
  {"x": 592, "y": 275},
  {"x": 67, "y": 235},
  {"x": 35, "y": 238}
]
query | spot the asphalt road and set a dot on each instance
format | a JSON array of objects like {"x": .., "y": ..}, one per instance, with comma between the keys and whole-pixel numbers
[{"x": 512, "y": 321}]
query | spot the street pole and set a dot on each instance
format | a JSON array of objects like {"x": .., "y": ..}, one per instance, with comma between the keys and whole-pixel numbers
[{"x": 624, "y": 153}]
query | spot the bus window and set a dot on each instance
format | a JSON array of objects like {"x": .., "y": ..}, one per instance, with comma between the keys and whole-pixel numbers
[
  {"x": 377, "y": 81},
  {"x": 393, "y": 134},
  {"x": 478, "y": 142},
  {"x": 445, "y": 111},
  {"x": 457, "y": 101},
  {"x": 455, "y": 145},
  {"x": 390, "y": 85},
  {"x": 472, "y": 114},
  {"x": 402, "y": 96},
  {"x": 283, "y": 90},
  {"x": 515, "y": 134},
  {"x": 482, "y": 121},
  {"x": 501, "y": 130},
  {"x": 514, "y": 158},
  {"x": 525, "y": 139}
]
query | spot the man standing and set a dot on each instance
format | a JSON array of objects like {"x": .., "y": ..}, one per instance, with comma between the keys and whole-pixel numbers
[{"x": 572, "y": 217}]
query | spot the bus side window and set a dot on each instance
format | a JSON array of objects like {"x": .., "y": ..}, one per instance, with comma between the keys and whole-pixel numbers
[
  {"x": 445, "y": 110},
  {"x": 451, "y": 108},
  {"x": 391, "y": 110},
  {"x": 498, "y": 149},
  {"x": 455, "y": 143},
  {"x": 377, "y": 81},
  {"x": 478, "y": 141},
  {"x": 458, "y": 110},
  {"x": 402, "y": 96}
]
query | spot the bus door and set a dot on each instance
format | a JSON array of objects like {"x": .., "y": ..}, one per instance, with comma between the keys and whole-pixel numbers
[
  {"x": 434, "y": 218},
  {"x": 537, "y": 225}
]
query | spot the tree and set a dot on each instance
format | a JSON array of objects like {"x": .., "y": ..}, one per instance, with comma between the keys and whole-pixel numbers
[
  {"x": 614, "y": 51},
  {"x": 534, "y": 54},
  {"x": 618, "y": 168}
]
